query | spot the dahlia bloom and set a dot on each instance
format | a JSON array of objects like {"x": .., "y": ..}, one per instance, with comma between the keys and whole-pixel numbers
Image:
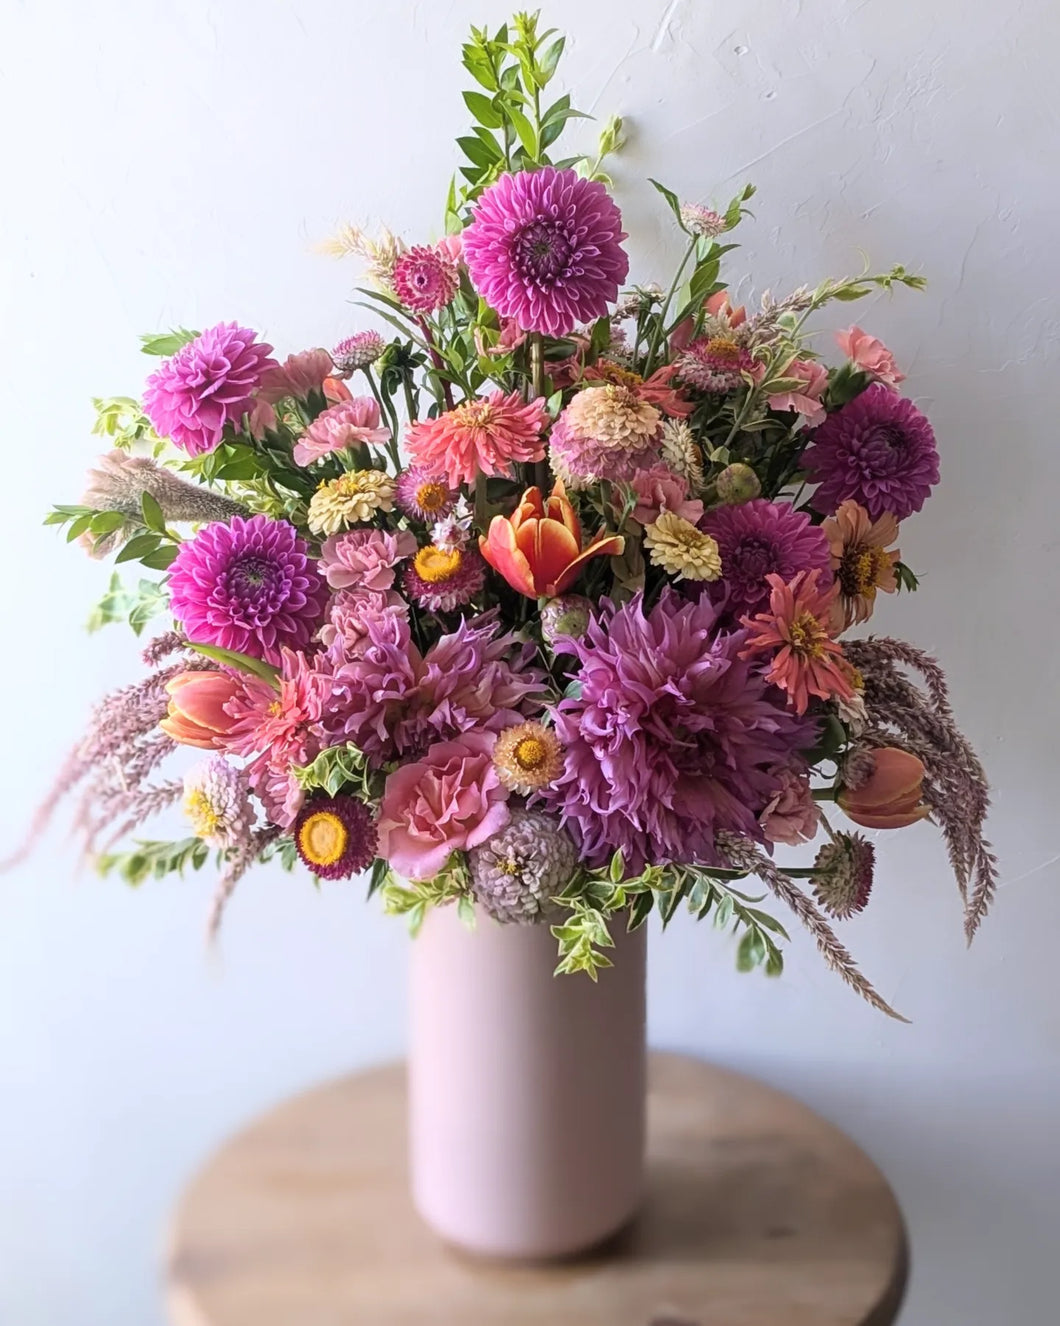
[
  {"x": 516, "y": 873},
  {"x": 482, "y": 436},
  {"x": 879, "y": 450},
  {"x": 197, "y": 713},
  {"x": 791, "y": 816},
  {"x": 891, "y": 796},
  {"x": 357, "y": 351},
  {"x": 365, "y": 558},
  {"x": 450, "y": 801},
  {"x": 528, "y": 757},
  {"x": 370, "y": 693},
  {"x": 217, "y": 802},
  {"x": 208, "y": 384},
  {"x": 659, "y": 489},
  {"x": 248, "y": 586},
  {"x": 335, "y": 836},
  {"x": 797, "y": 632},
  {"x": 806, "y": 399},
  {"x": 422, "y": 495},
  {"x": 870, "y": 355},
  {"x": 349, "y": 612},
  {"x": 351, "y": 499},
  {"x": 444, "y": 579},
  {"x": 544, "y": 247},
  {"x": 861, "y": 559},
  {"x": 843, "y": 873},
  {"x": 758, "y": 539},
  {"x": 348, "y": 424},
  {"x": 425, "y": 279},
  {"x": 681, "y": 549},
  {"x": 673, "y": 738}
]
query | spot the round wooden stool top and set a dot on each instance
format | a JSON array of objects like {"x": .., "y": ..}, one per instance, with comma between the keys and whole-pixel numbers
[{"x": 758, "y": 1213}]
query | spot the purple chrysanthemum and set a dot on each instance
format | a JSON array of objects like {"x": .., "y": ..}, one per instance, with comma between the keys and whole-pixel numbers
[
  {"x": 544, "y": 247},
  {"x": 423, "y": 495},
  {"x": 879, "y": 450},
  {"x": 249, "y": 585},
  {"x": 673, "y": 738},
  {"x": 758, "y": 539},
  {"x": 208, "y": 383}
]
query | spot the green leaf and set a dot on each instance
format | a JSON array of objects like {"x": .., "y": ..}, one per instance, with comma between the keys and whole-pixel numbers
[
  {"x": 550, "y": 59},
  {"x": 526, "y": 132},
  {"x": 141, "y": 545},
  {"x": 162, "y": 559},
  {"x": 166, "y": 343},
  {"x": 78, "y": 527},
  {"x": 152, "y": 513},
  {"x": 476, "y": 150},
  {"x": 640, "y": 909},
  {"x": 258, "y": 667},
  {"x": 671, "y": 198},
  {"x": 483, "y": 109}
]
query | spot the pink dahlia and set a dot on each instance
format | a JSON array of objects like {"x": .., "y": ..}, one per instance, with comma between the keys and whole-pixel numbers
[
  {"x": 482, "y": 436},
  {"x": 425, "y": 279},
  {"x": 758, "y": 539},
  {"x": 879, "y": 450},
  {"x": 544, "y": 247},
  {"x": 349, "y": 424},
  {"x": 349, "y": 613},
  {"x": 208, "y": 383},
  {"x": 806, "y": 398},
  {"x": 672, "y": 739},
  {"x": 365, "y": 558},
  {"x": 449, "y": 801},
  {"x": 250, "y": 586}
]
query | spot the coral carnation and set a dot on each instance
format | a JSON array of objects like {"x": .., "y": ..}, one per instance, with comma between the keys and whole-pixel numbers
[
  {"x": 791, "y": 816},
  {"x": 870, "y": 355},
  {"x": 804, "y": 399},
  {"x": 482, "y": 436},
  {"x": 758, "y": 539}
]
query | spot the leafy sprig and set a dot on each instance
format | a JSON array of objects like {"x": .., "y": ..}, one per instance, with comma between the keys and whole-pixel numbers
[{"x": 154, "y": 860}]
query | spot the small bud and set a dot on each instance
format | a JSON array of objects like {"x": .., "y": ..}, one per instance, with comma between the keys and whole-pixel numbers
[
  {"x": 737, "y": 484},
  {"x": 567, "y": 615}
]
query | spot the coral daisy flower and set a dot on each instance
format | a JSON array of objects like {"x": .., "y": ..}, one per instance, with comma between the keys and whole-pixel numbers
[
  {"x": 861, "y": 559},
  {"x": 797, "y": 630},
  {"x": 482, "y": 436}
]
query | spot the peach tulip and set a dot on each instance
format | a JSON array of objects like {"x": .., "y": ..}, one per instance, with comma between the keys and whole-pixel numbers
[
  {"x": 891, "y": 797},
  {"x": 196, "y": 714},
  {"x": 538, "y": 548}
]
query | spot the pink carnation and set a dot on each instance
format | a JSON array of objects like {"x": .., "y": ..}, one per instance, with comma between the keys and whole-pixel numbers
[
  {"x": 791, "y": 816},
  {"x": 659, "y": 489},
  {"x": 348, "y": 424},
  {"x": 870, "y": 355},
  {"x": 805, "y": 400},
  {"x": 365, "y": 558},
  {"x": 299, "y": 375},
  {"x": 447, "y": 802}
]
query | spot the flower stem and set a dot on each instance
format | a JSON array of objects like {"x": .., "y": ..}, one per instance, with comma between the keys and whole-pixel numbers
[
  {"x": 437, "y": 361},
  {"x": 653, "y": 347}
]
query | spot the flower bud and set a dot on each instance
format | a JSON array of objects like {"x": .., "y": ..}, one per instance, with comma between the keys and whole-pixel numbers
[
  {"x": 567, "y": 615},
  {"x": 737, "y": 483}
]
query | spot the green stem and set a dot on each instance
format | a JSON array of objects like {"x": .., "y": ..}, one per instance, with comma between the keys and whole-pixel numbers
[
  {"x": 386, "y": 409},
  {"x": 437, "y": 361},
  {"x": 480, "y": 502},
  {"x": 653, "y": 348}
]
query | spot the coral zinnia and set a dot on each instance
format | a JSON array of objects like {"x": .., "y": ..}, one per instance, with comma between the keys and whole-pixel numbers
[
  {"x": 797, "y": 630},
  {"x": 759, "y": 539},
  {"x": 544, "y": 247},
  {"x": 860, "y": 558},
  {"x": 208, "y": 383},
  {"x": 425, "y": 279},
  {"x": 335, "y": 836},
  {"x": 672, "y": 739},
  {"x": 249, "y": 586},
  {"x": 483, "y": 436},
  {"x": 441, "y": 579},
  {"x": 879, "y": 450},
  {"x": 349, "y": 500}
]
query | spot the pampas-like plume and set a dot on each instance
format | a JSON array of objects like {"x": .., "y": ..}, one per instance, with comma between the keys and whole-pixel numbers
[{"x": 239, "y": 862}]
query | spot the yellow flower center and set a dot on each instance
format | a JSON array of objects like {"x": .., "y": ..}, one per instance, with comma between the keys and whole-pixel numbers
[
  {"x": 530, "y": 754},
  {"x": 724, "y": 347},
  {"x": 474, "y": 414},
  {"x": 201, "y": 813},
  {"x": 861, "y": 570},
  {"x": 807, "y": 636},
  {"x": 435, "y": 565},
  {"x": 431, "y": 496},
  {"x": 509, "y": 866},
  {"x": 323, "y": 838},
  {"x": 623, "y": 377}
]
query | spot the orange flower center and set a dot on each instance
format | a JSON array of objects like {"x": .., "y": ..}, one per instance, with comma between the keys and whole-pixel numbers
[
  {"x": 475, "y": 414},
  {"x": 861, "y": 570},
  {"x": 724, "y": 348},
  {"x": 323, "y": 838},
  {"x": 807, "y": 636},
  {"x": 431, "y": 496},
  {"x": 530, "y": 754},
  {"x": 436, "y": 564},
  {"x": 623, "y": 377}
]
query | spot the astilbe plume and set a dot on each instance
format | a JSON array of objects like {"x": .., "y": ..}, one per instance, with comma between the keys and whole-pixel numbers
[{"x": 899, "y": 713}]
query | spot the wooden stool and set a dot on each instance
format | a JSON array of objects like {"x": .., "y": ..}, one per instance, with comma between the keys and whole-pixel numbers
[{"x": 758, "y": 1213}]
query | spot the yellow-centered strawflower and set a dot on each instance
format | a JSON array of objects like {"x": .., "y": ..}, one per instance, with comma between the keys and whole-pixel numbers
[
  {"x": 350, "y": 499},
  {"x": 528, "y": 757},
  {"x": 681, "y": 549}
]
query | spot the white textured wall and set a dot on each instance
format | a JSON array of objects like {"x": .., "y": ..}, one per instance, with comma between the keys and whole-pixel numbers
[{"x": 171, "y": 162}]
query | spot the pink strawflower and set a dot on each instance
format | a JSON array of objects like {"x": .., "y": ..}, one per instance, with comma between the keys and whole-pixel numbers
[
  {"x": 349, "y": 613},
  {"x": 365, "y": 558},
  {"x": 357, "y": 351},
  {"x": 482, "y": 436},
  {"x": 449, "y": 801},
  {"x": 299, "y": 375},
  {"x": 797, "y": 633},
  {"x": 659, "y": 489},
  {"x": 804, "y": 400},
  {"x": 424, "y": 495},
  {"x": 249, "y": 586},
  {"x": 758, "y": 539},
  {"x": 351, "y": 423},
  {"x": 425, "y": 279},
  {"x": 791, "y": 817},
  {"x": 544, "y": 247},
  {"x": 444, "y": 579},
  {"x": 717, "y": 364},
  {"x": 208, "y": 384},
  {"x": 870, "y": 355}
]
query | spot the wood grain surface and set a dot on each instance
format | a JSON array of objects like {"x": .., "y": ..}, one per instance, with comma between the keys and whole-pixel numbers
[{"x": 758, "y": 1213}]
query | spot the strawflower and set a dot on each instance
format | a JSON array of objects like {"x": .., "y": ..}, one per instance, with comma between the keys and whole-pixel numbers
[
  {"x": 700, "y": 220},
  {"x": 425, "y": 279},
  {"x": 335, "y": 836},
  {"x": 528, "y": 757},
  {"x": 443, "y": 579},
  {"x": 357, "y": 351},
  {"x": 482, "y": 436},
  {"x": 717, "y": 364},
  {"x": 424, "y": 495},
  {"x": 861, "y": 558},
  {"x": 350, "y": 499}
]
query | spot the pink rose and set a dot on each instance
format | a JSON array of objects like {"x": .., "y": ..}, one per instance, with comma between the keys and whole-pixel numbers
[
  {"x": 870, "y": 355},
  {"x": 660, "y": 489},
  {"x": 365, "y": 558},
  {"x": 298, "y": 375},
  {"x": 450, "y": 800},
  {"x": 511, "y": 338},
  {"x": 348, "y": 424},
  {"x": 806, "y": 400},
  {"x": 792, "y": 816}
]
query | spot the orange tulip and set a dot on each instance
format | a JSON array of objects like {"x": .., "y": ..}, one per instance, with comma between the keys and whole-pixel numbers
[
  {"x": 196, "y": 714},
  {"x": 891, "y": 796},
  {"x": 538, "y": 548}
]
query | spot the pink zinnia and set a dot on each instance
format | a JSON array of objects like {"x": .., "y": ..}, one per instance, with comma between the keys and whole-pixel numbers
[
  {"x": 208, "y": 384},
  {"x": 797, "y": 631},
  {"x": 481, "y": 436},
  {"x": 806, "y": 399},
  {"x": 425, "y": 279},
  {"x": 365, "y": 558},
  {"x": 544, "y": 247},
  {"x": 349, "y": 424},
  {"x": 870, "y": 355}
]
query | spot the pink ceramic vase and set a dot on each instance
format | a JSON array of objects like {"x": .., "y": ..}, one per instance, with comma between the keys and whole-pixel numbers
[{"x": 526, "y": 1090}]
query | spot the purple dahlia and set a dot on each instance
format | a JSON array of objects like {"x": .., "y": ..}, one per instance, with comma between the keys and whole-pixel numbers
[
  {"x": 879, "y": 450},
  {"x": 673, "y": 738},
  {"x": 250, "y": 586},
  {"x": 208, "y": 383},
  {"x": 758, "y": 539},
  {"x": 544, "y": 247}
]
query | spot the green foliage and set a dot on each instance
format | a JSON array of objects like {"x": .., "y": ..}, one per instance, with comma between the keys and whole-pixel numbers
[
  {"x": 135, "y": 606},
  {"x": 153, "y": 860},
  {"x": 121, "y": 420},
  {"x": 338, "y": 769},
  {"x": 414, "y": 898},
  {"x": 906, "y": 577},
  {"x": 282, "y": 850},
  {"x": 166, "y": 343},
  {"x": 233, "y": 659}
]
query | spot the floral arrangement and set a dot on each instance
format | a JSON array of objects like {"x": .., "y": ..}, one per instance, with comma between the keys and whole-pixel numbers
[{"x": 537, "y": 604}]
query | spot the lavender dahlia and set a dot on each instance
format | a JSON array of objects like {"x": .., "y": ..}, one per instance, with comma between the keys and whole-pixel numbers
[
  {"x": 249, "y": 586},
  {"x": 758, "y": 539}
]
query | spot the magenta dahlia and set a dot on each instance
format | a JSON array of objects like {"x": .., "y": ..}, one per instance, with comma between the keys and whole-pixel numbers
[
  {"x": 249, "y": 585},
  {"x": 672, "y": 739},
  {"x": 758, "y": 539},
  {"x": 879, "y": 450},
  {"x": 425, "y": 279},
  {"x": 208, "y": 383},
  {"x": 544, "y": 247}
]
